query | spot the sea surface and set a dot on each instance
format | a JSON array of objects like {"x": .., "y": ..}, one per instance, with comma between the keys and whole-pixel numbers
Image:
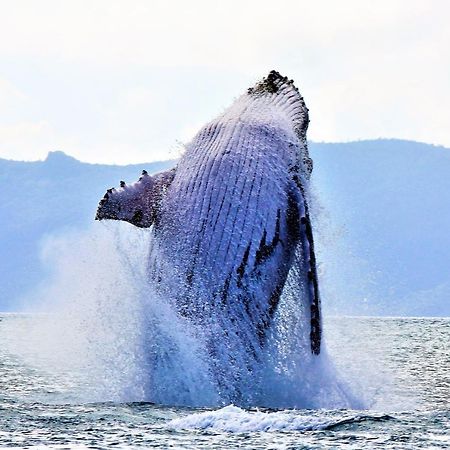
[{"x": 399, "y": 368}]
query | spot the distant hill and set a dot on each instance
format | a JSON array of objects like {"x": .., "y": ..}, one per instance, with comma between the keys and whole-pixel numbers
[
  {"x": 389, "y": 202},
  {"x": 381, "y": 216},
  {"x": 44, "y": 197}
]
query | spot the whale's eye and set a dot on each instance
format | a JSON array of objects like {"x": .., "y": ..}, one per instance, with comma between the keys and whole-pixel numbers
[{"x": 137, "y": 217}]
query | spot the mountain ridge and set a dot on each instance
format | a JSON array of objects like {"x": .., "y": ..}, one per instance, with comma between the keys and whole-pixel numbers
[{"x": 380, "y": 225}]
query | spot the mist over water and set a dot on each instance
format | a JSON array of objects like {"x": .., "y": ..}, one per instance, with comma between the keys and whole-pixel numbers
[{"x": 101, "y": 324}]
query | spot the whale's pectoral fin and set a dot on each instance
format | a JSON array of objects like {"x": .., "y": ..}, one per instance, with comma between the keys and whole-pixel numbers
[
  {"x": 137, "y": 203},
  {"x": 312, "y": 285}
]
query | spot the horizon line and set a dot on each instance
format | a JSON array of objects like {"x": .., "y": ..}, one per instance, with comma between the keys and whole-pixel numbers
[{"x": 350, "y": 142}]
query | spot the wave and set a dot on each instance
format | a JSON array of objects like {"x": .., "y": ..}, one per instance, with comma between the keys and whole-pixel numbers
[{"x": 236, "y": 420}]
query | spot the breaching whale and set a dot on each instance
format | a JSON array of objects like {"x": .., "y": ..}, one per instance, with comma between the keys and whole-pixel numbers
[{"x": 230, "y": 224}]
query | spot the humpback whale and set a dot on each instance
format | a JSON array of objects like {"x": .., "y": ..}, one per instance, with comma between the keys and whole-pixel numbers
[{"x": 230, "y": 224}]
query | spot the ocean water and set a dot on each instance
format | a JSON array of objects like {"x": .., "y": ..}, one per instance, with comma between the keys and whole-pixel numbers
[{"x": 398, "y": 367}]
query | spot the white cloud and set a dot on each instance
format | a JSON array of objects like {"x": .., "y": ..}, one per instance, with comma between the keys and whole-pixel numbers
[
  {"x": 18, "y": 138},
  {"x": 9, "y": 94},
  {"x": 127, "y": 79},
  {"x": 173, "y": 33}
]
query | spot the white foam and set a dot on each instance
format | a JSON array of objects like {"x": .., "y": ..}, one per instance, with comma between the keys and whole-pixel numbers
[{"x": 236, "y": 420}]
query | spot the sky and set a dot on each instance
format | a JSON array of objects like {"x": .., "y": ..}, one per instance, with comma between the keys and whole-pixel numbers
[{"x": 112, "y": 81}]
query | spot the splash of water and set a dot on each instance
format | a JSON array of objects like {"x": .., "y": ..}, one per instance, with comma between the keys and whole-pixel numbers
[
  {"x": 236, "y": 420},
  {"x": 111, "y": 338}
]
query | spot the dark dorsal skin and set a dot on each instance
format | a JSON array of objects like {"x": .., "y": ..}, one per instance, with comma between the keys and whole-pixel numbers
[{"x": 232, "y": 220}]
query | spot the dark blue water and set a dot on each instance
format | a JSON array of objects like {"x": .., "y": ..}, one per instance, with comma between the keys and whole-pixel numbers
[{"x": 398, "y": 367}]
